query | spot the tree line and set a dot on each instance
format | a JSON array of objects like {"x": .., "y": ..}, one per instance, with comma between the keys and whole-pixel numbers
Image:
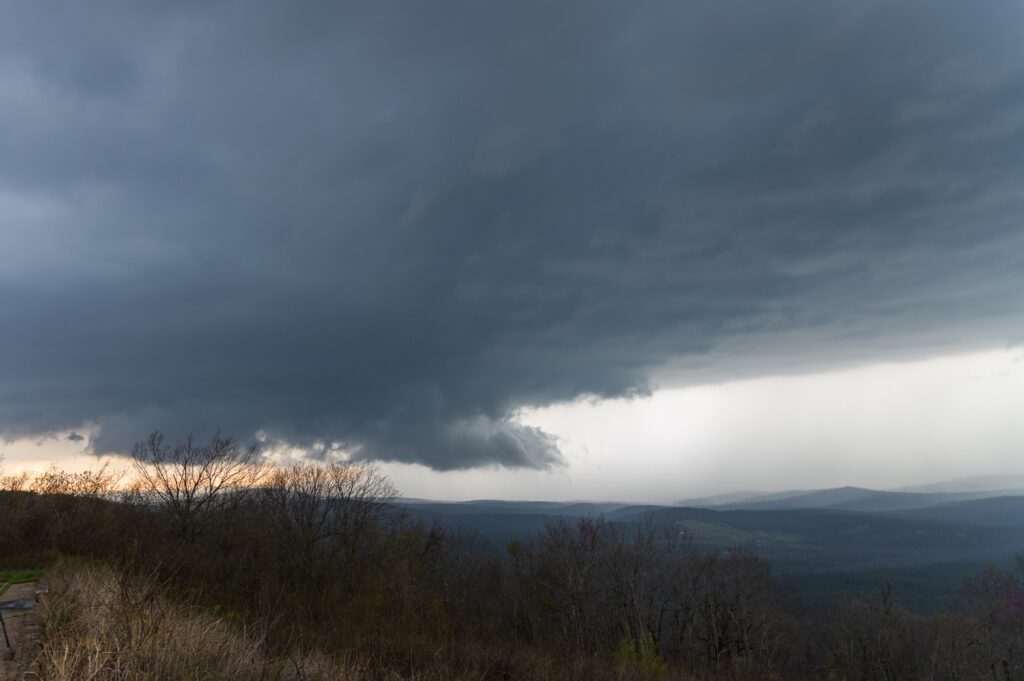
[{"x": 321, "y": 556}]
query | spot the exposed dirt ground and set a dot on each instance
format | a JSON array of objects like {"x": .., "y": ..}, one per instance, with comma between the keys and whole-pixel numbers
[{"x": 23, "y": 631}]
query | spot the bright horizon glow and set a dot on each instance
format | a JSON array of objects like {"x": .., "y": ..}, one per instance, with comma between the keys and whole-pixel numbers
[{"x": 883, "y": 426}]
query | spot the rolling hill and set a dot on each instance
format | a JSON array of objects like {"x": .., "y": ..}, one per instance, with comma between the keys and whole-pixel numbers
[{"x": 824, "y": 540}]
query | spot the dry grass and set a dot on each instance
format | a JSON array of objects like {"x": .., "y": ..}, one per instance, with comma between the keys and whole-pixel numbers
[{"x": 101, "y": 626}]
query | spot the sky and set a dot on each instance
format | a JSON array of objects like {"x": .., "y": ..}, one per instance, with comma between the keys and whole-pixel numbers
[{"x": 529, "y": 249}]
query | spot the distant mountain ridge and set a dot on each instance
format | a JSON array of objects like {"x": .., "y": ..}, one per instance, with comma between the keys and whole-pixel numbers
[
  {"x": 825, "y": 540},
  {"x": 854, "y": 499},
  {"x": 976, "y": 483},
  {"x": 796, "y": 540},
  {"x": 1001, "y": 511}
]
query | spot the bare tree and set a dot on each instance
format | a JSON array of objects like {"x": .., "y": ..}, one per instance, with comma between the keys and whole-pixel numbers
[
  {"x": 326, "y": 507},
  {"x": 993, "y": 604},
  {"x": 637, "y": 573},
  {"x": 726, "y": 612},
  {"x": 191, "y": 481},
  {"x": 16, "y": 482},
  {"x": 569, "y": 562},
  {"x": 102, "y": 482}
]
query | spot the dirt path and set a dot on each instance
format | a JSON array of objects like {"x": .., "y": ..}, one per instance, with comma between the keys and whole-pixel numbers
[{"x": 23, "y": 631}]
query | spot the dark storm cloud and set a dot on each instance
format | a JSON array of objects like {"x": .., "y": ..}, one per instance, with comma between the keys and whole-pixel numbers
[{"x": 392, "y": 225}]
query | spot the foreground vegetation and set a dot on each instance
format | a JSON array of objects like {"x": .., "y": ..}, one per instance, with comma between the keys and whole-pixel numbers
[
  {"x": 9, "y": 577},
  {"x": 212, "y": 565}
]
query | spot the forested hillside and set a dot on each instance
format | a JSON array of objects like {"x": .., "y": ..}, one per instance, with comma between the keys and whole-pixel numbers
[{"x": 205, "y": 562}]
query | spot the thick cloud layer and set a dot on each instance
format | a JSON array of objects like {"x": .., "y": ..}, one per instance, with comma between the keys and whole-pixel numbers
[{"x": 390, "y": 225}]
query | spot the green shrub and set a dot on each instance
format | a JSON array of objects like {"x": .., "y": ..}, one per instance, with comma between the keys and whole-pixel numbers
[{"x": 641, "y": 654}]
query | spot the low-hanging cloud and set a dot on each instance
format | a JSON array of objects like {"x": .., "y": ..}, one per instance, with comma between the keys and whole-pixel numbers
[{"x": 391, "y": 226}]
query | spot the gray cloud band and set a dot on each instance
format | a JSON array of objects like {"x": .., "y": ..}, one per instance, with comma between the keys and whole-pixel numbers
[{"x": 392, "y": 225}]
